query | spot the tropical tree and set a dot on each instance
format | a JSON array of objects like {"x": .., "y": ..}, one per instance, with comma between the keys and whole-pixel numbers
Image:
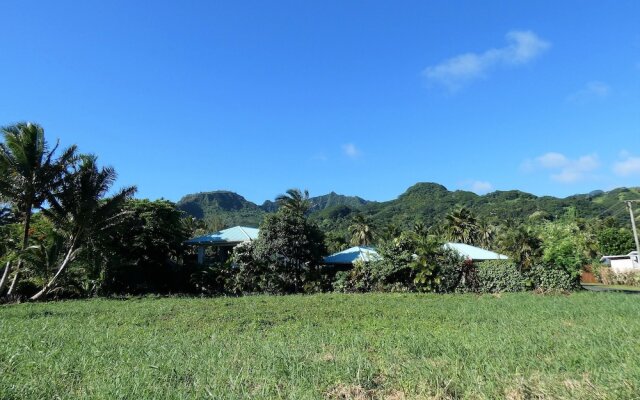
[
  {"x": 486, "y": 233},
  {"x": 147, "y": 240},
  {"x": 291, "y": 247},
  {"x": 615, "y": 241},
  {"x": 335, "y": 242},
  {"x": 29, "y": 171},
  {"x": 420, "y": 229},
  {"x": 295, "y": 200},
  {"x": 462, "y": 226},
  {"x": 523, "y": 244},
  {"x": 389, "y": 232},
  {"x": 435, "y": 265},
  {"x": 361, "y": 231},
  {"x": 80, "y": 211}
]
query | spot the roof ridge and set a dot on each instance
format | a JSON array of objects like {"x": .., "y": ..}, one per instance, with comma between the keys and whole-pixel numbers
[{"x": 245, "y": 233}]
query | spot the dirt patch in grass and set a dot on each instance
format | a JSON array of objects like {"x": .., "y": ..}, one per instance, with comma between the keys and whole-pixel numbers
[{"x": 357, "y": 392}]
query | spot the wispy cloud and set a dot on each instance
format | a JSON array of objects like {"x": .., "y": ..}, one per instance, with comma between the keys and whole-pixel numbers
[
  {"x": 455, "y": 72},
  {"x": 552, "y": 160},
  {"x": 627, "y": 166},
  {"x": 563, "y": 169},
  {"x": 593, "y": 90},
  {"x": 351, "y": 151},
  {"x": 481, "y": 187}
]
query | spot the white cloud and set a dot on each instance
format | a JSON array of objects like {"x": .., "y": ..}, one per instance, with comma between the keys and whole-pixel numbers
[
  {"x": 481, "y": 187},
  {"x": 552, "y": 160},
  {"x": 523, "y": 47},
  {"x": 628, "y": 166},
  {"x": 562, "y": 168},
  {"x": 351, "y": 151},
  {"x": 593, "y": 90}
]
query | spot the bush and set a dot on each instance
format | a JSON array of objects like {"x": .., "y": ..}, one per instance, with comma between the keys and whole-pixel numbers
[
  {"x": 552, "y": 277},
  {"x": 211, "y": 279},
  {"x": 496, "y": 276},
  {"x": 359, "y": 279},
  {"x": 608, "y": 277},
  {"x": 289, "y": 250},
  {"x": 450, "y": 274}
]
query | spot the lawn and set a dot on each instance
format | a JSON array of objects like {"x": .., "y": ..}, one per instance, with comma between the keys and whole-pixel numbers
[{"x": 393, "y": 346}]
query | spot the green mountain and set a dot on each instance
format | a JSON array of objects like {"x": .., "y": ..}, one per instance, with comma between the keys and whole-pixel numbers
[
  {"x": 430, "y": 202},
  {"x": 223, "y": 208},
  {"x": 426, "y": 202},
  {"x": 229, "y": 208}
]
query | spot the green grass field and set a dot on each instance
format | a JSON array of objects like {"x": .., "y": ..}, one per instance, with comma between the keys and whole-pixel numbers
[{"x": 391, "y": 346}]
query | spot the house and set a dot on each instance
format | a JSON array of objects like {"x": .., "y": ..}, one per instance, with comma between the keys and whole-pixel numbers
[
  {"x": 349, "y": 256},
  {"x": 346, "y": 258},
  {"x": 622, "y": 263},
  {"x": 223, "y": 241}
]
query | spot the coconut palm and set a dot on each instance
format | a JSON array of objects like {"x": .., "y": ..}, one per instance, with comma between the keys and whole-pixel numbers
[
  {"x": 80, "y": 212},
  {"x": 486, "y": 233},
  {"x": 462, "y": 226},
  {"x": 420, "y": 229},
  {"x": 29, "y": 171},
  {"x": 389, "y": 232},
  {"x": 361, "y": 231},
  {"x": 295, "y": 200}
]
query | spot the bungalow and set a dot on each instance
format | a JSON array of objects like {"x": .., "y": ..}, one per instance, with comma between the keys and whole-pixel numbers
[
  {"x": 224, "y": 241},
  {"x": 349, "y": 256},
  {"x": 346, "y": 258},
  {"x": 622, "y": 263}
]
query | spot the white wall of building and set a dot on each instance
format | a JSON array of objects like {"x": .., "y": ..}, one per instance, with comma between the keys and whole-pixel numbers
[{"x": 624, "y": 265}]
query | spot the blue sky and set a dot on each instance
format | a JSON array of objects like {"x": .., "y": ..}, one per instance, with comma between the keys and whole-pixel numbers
[{"x": 363, "y": 98}]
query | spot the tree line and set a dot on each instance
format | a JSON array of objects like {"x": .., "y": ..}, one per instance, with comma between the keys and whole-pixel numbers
[{"x": 66, "y": 232}]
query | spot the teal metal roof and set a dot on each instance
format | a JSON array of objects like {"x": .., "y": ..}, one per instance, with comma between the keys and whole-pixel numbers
[
  {"x": 474, "y": 253},
  {"x": 349, "y": 256},
  {"x": 237, "y": 234}
]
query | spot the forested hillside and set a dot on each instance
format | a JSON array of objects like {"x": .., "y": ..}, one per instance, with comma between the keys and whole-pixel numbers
[
  {"x": 224, "y": 208},
  {"x": 425, "y": 202}
]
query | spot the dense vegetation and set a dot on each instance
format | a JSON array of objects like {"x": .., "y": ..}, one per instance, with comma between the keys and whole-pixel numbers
[
  {"x": 66, "y": 233},
  {"x": 329, "y": 346},
  {"x": 427, "y": 202}
]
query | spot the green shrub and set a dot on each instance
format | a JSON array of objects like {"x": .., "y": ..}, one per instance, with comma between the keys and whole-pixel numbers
[
  {"x": 496, "y": 276},
  {"x": 450, "y": 274},
  {"x": 359, "y": 279},
  {"x": 375, "y": 276},
  {"x": 211, "y": 279},
  {"x": 553, "y": 277}
]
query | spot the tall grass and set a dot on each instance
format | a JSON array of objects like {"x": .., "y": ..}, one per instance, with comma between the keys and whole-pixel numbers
[{"x": 585, "y": 345}]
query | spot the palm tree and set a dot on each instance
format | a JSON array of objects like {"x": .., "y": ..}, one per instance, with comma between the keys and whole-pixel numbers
[
  {"x": 80, "y": 212},
  {"x": 295, "y": 200},
  {"x": 360, "y": 230},
  {"x": 523, "y": 244},
  {"x": 486, "y": 233},
  {"x": 28, "y": 173},
  {"x": 462, "y": 226},
  {"x": 389, "y": 232},
  {"x": 420, "y": 229}
]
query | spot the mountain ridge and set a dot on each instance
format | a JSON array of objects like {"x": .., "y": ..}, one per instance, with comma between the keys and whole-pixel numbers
[{"x": 425, "y": 201}]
